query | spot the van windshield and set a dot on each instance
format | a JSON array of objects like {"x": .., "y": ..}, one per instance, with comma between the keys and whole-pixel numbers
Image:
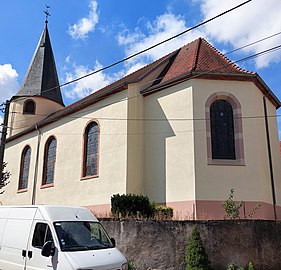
[{"x": 81, "y": 235}]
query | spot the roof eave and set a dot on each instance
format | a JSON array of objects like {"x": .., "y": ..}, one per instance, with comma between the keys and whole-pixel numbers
[
  {"x": 254, "y": 77},
  {"x": 79, "y": 105},
  {"x": 267, "y": 91}
]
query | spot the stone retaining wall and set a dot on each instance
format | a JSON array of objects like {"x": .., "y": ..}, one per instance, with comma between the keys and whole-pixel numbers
[{"x": 161, "y": 244}]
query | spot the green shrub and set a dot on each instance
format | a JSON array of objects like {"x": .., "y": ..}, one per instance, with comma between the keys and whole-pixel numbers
[
  {"x": 162, "y": 211},
  {"x": 232, "y": 209},
  {"x": 131, "y": 205},
  {"x": 250, "y": 266},
  {"x": 231, "y": 266},
  {"x": 138, "y": 206},
  {"x": 196, "y": 257},
  {"x": 131, "y": 265}
]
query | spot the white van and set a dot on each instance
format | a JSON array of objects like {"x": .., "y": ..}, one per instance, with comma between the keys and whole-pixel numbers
[{"x": 55, "y": 237}]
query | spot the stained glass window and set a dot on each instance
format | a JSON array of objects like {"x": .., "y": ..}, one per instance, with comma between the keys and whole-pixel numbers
[
  {"x": 91, "y": 149},
  {"x": 24, "y": 170},
  {"x": 222, "y": 130},
  {"x": 49, "y": 161}
]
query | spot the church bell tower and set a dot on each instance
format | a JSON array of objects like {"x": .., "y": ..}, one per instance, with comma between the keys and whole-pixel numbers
[{"x": 40, "y": 94}]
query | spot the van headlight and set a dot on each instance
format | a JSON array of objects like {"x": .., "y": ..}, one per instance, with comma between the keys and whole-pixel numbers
[{"x": 124, "y": 266}]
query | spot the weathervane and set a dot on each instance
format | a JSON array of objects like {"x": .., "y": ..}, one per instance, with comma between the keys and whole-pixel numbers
[{"x": 47, "y": 13}]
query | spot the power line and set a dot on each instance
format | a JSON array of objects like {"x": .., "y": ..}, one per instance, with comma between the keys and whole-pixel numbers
[
  {"x": 149, "y": 48},
  {"x": 259, "y": 54},
  {"x": 253, "y": 43},
  {"x": 156, "y": 45},
  {"x": 192, "y": 77},
  {"x": 151, "y": 81},
  {"x": 173, "y": 131},
  {"x": 253, "y": 117}
]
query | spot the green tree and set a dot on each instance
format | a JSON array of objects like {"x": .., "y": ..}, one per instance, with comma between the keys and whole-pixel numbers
[
  {"x": 196, "y": 257},
  {"x": 4, "y": 180},
  {"x": 250, "y": 266}
]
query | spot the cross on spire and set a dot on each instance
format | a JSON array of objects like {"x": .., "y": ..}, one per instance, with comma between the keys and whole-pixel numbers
[{"x": 47, "y": 13}]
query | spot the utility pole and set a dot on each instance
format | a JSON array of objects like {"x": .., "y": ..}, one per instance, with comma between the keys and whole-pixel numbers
[{"x": 3, "y": 140}]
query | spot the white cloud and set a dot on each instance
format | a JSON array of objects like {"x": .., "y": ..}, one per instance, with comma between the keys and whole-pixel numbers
[
  {"x": 256, "y": 20},
  {"x": 87, "y": 24},
  {"x": 8, "y": 82},
  {"x": 249, "y": 23},
  {"x": 163, "y": 27},
  {"x": 87, "y": 85},
  {"x": 67, "y": 59}
]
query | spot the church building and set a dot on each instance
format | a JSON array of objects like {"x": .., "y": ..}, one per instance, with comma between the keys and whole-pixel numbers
[{"x": 183, "y": 130}]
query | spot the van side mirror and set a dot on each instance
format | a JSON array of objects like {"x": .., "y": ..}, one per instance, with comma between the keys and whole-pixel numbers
[
  {"x": 113, "y": 241},
  {"x": 48, "y": 249}
]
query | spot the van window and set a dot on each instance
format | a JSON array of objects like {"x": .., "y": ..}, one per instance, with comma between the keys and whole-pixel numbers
[
  {"x": 42, "y": 234},
  {"x": 82, "y": 235}
]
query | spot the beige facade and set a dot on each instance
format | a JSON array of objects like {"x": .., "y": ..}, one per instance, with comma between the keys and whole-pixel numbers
[
  {"x": 68, "y": 166},
  {"x": 154, "y": 138},
  {"x": 19, "y": 121},
  {"x": 154, "y": 145}
]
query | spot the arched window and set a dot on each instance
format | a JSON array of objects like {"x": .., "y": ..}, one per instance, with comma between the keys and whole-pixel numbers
[
  {"x": 91, "y": 151},
  {"x": 29, "y": 107},
  {"x": 222, "y": 130},
  {"x": 24, "y": 168},
  {"x": 49, "y": 161}
]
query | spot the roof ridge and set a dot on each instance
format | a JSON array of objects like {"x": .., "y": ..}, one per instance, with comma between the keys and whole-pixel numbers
[
  {"x": 231, "y": 63},
  {"x": 194, "y": 64}
]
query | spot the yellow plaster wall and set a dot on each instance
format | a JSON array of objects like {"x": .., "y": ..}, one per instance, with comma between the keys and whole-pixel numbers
[
  {"x": 18, "y": 121},
  {"x": 136, "y": 143},
  {"x": 252, "y": 180},
  {"x": 169, "y": 144},
  {"x": 68, "y": 186},
  {"x": 12, "y": 157},
  {"x": 135, "y": 168},
  {"x": 155, "y": 145}
]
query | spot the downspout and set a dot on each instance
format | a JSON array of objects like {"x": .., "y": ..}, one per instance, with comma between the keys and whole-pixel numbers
[
  {"x": 269, "y": 156},
  {"x": 36, "y": 166}
]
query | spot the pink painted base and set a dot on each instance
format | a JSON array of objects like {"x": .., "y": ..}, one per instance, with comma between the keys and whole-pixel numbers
[
  {"x": 212, "y": 210},
  {"x": 100, "y": 211},
  {"x": 203, "y": 210}
]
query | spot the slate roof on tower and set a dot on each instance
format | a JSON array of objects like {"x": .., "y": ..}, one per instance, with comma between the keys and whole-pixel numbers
[
  {"x": 41, "y": 78},
  {"x": 198, "y": 59}
]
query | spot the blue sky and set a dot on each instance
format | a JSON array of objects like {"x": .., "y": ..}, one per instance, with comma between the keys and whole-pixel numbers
[{"x": 89, "y": 34}]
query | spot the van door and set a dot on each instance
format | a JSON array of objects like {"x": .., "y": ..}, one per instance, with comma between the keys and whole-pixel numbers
[
  {"x": 35, "y": 260},
  {"x": 14, "y": 243}
]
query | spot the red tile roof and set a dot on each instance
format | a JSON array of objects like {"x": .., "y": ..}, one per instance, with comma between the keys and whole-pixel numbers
[{"x": 198, "y": 58}]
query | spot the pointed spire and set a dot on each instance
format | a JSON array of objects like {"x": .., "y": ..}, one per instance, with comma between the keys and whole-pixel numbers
[{"x": 41, "y": 78}]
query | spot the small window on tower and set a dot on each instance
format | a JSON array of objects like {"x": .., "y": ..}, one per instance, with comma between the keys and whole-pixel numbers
[{"x": 29, "y": 107}]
